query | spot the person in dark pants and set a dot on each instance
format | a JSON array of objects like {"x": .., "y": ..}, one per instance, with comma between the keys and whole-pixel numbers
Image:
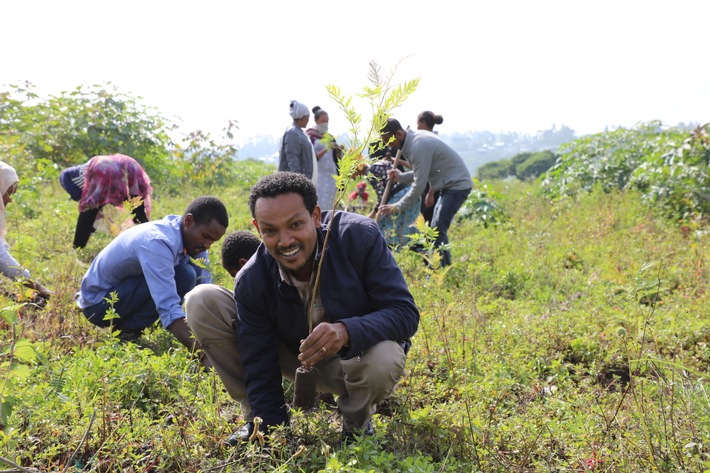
[
  {"x": 435, "y": 162},
  {"x": 102, "y": 180},
  {"x": 150, "y": 268}
]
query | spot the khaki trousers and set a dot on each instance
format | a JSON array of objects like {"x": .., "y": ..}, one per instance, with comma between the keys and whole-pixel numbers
[{"x": 360, "y": 382}]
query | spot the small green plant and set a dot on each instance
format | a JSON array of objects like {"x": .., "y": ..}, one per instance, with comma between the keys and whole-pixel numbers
[{"x": 481, "y": 206}]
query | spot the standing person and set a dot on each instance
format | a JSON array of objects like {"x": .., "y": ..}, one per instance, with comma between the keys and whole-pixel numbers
[
  {"x": 150, "y": 269},
  {"x": 327, "y": 153},
  {"x": 365, "y": 314},
  {"x": 102, "y": 180},
  {"x": 435, "y": 162},
  {"x": 9, "y": 265},
  {"x": 426, "y": 121},
  {"x": 296, "y": 152}
]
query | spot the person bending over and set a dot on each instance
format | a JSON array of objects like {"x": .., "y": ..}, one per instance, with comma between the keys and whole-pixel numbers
[
  {"x": 9, "y": 265},
  {"x": 151, "y": 267},
  {"x": 437, "y": 163},
  {"x": 102, "y": 180}
]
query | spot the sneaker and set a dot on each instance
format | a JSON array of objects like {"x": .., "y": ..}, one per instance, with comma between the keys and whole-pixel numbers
[
  {"x": 351, "y": 435},
  {"x": 241, "y": 435}
]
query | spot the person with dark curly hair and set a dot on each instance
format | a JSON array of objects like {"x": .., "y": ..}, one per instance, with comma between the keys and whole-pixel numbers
[
  {"x": 355, "y": 327},
  {"x": 237, "y": 248},
  {"x": 150, "y": 268}
]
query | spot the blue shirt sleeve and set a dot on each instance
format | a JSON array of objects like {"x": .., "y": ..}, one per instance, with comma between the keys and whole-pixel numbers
[{"x": 158, "y": 264}]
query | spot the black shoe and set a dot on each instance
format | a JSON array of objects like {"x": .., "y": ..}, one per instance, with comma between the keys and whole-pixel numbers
[
  {"x": 351, "y": 435},
  {"x": 241, "y": 435}
]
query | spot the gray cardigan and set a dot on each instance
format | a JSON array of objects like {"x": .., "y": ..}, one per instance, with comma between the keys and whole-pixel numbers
[
  {"x": 433, "y": 161},
  {"x": 296, "y": 152}
]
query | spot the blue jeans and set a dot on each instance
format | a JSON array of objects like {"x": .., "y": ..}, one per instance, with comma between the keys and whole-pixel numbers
[
  {"x": 135, "y": 307},
  {"x": 450, "y": 201}
]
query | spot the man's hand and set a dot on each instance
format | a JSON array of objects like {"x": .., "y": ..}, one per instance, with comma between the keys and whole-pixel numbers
[
  {"x": 429, "y": 199},
  {"x": 387, "y": 209},
  {"x": 41, "y": 290},
  {"x": 325, "y": 340},
  {"x": 184, "y": 334},
  {"x": 393, "y": 174}
]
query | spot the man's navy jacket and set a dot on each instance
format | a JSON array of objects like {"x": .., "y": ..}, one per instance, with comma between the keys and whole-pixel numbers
[{"x": 361, "y": 285}]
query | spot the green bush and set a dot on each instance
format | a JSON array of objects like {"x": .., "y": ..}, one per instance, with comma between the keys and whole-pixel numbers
[{"x": 535, "y": 165}]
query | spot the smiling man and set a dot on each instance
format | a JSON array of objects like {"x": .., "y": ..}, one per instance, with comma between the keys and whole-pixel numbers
[
  {"x": 364, "y": 313},
  {"x": 150, "y": 267}
]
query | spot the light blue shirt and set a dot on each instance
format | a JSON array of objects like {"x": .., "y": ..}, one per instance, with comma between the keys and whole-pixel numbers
[{"x": 151, "y": 249}]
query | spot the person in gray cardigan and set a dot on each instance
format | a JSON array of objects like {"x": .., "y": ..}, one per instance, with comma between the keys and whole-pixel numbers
[
  {"x": 433, "y": 161},
  {"x": 296, "y": 151}
]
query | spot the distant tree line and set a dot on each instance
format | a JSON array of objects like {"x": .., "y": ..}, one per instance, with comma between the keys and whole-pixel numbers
[{"x": 40, "y": 135}]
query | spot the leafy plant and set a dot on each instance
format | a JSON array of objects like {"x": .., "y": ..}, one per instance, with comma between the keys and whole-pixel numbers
[
  {"x": 73, "y": 126},
  {"x": 481, "y": 206}
]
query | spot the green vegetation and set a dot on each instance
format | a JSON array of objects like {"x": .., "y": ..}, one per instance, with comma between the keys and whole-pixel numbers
[
  {"x": 524, "y": 166},
  {"x": 669, "y": 166},
  {"x": 564, "y": 337},
  {"x": 570, "y": 334}
]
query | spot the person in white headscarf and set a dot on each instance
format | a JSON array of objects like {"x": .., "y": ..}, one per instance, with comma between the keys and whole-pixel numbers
[
  {"x": 9, "y": 265},
  {"x": 296, "y": 152}
]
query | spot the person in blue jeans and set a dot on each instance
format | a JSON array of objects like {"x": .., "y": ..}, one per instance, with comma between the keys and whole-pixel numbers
[
  {"x": 150, "y": 268},
  {"x": 435, "y": 162}
]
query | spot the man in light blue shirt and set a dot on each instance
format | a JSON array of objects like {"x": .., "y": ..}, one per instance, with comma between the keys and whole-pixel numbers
[{"x": 150, "y": 267}]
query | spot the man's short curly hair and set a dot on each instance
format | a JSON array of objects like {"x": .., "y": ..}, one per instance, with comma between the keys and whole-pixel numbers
[
  {"x": 238, "y": 245},
  {"x": 205, "y": 208},
  {"x": 280, "y": 183}
]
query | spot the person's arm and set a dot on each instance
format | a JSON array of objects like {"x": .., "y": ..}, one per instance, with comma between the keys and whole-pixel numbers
[
  {"x": 421, "y": 158},
  {"x": 429, "y": 199},
  {"x": 13, "y": 270},
  {"x": 259, "y": 353},
  {"x": 184, "y": 334},
  {"x": 41, "y": 290},
  {"x": 320, "y": 148},
  {"x": 393, "y": 316},
  {"x": 157, "y": 262}
]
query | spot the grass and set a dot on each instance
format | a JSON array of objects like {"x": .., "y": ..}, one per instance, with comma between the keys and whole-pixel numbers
[{"x": 570, "y": 337}]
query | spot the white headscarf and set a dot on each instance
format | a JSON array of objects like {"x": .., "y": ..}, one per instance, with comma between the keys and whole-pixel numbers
[
  {"x": 8, "y": 178},
  {"x": 298, "y": 110}
]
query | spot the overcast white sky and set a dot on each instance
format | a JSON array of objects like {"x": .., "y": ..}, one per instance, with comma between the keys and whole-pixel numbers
[{"x": 495, "y": 65}]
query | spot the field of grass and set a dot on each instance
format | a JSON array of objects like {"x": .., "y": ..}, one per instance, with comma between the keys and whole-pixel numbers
[{"x": 572, "y": 337}]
